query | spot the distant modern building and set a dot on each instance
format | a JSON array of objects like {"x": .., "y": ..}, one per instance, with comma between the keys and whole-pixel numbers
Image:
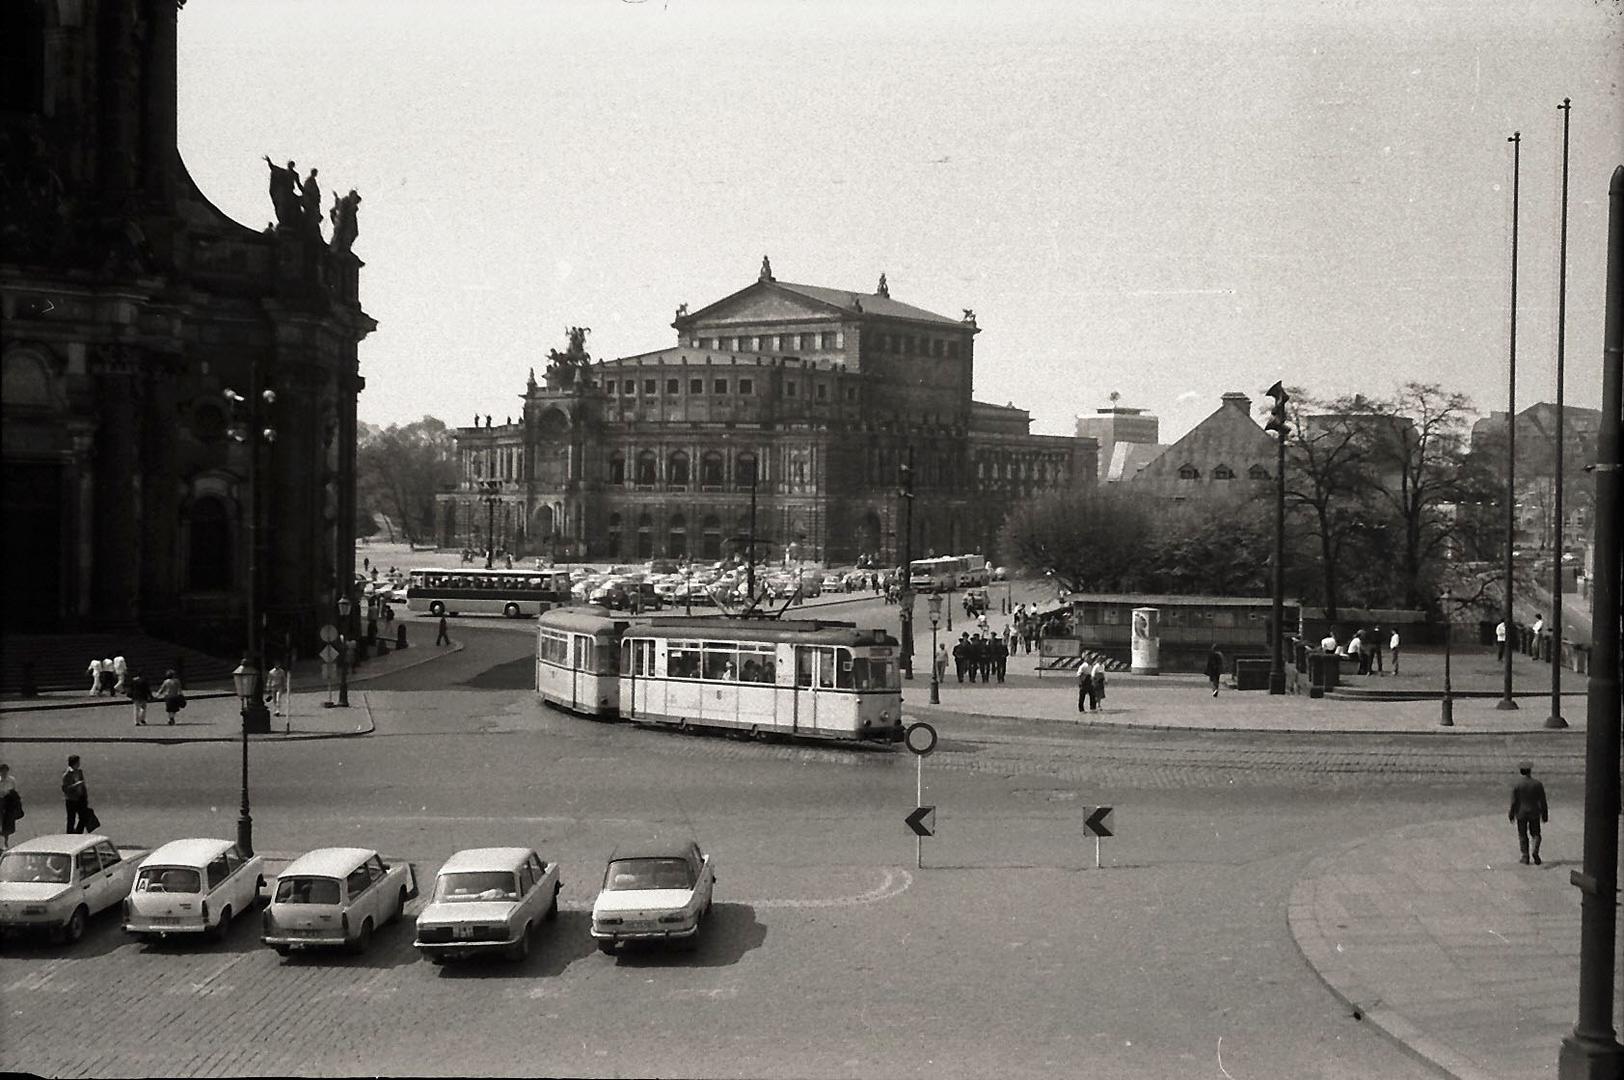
[
  {"x": 1536, "y": 469},
  {"x": 1127, "y": 439},
  {"x": 130, "y": 306},
  {"x": 1228, "y": 454},
  {"x": 805, "y": 399}
]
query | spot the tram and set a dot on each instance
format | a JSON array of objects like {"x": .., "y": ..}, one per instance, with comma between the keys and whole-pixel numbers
[{"x": 800, "y": 679}]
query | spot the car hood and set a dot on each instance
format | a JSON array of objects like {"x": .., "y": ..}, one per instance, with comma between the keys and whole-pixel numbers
[
  {"x": 641, "y": 900},
  {"x": 467, "y": 911},
  {"x": 30, "y": 892}
]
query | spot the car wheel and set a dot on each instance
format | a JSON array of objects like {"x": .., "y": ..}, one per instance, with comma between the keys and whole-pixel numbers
[
  {"x": 437, "y": 609},
  {"x": 75, "y": 928},
  {"x": 400, "y": 909},
  {"x": 511, "y": 611},
  {"x": 363, "y": 938},
  {"x": 520, "y": 949},
  {"x": 606, "y": 946},
  {"x": 282, "y": 950},
  {"x": 223, "y": 927}
]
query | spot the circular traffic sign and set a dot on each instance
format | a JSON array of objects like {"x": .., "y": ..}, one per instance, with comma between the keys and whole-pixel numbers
[
  {"x": 329, "y": 633},
  {"x": 920, "y": 737}
]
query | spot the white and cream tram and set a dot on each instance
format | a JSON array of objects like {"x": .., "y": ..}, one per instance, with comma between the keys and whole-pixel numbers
[
  {"x": 578, "y": 660},
  {"x": 801, "y": 678},
  {"x": 762, "y": 677}
]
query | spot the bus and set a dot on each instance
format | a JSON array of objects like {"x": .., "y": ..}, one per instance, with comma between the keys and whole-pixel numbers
[
  {"x": 974, "y": 572},
  {"x": 934, "y": 575},
  {"x": 514, "y": 593},
  {"x": 798, "y": 679}
]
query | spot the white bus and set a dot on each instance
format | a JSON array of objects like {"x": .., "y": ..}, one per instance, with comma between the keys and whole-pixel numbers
[
  {"x": 974, "y": 572},
  {"x": 514, "y": 593},
  {"x": 934, "y": 575}
]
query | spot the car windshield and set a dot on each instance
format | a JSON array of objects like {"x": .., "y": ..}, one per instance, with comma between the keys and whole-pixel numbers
[
  {"x": 35, "y": 866},
  {"x": 627, "y": 874},
  {"x": 476, "y": 885},
  {"x": 169, "y": 879},
  {"x": 307, "y": 890}
]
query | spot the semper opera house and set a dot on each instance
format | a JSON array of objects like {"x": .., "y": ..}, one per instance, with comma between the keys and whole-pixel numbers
[{"x": 805, "y": 400}]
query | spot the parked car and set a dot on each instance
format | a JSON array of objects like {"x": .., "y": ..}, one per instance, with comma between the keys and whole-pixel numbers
[
  {"x": 487, "y": 900},
  {"x": 55, "y": 884},
  {"x": 336, "y": 896},
  {"x": 193, "y": 887},
  {"x": 657, "y": 891}
]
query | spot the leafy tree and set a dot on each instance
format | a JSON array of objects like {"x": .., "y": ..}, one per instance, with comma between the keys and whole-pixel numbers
[
  {"x": 1328, "y": 481},
  {"x": 1092, "y": 540},
  {"x": 400, "y": 469}
]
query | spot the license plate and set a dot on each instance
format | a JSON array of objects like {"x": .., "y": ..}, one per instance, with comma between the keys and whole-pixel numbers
[
  {"x": 462, "y": 932},
  {"x": 165, "y": 920}
]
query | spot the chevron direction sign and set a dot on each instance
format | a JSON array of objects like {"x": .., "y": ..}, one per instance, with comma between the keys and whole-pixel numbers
[
  {"x": 1099, "y": 820},
  {"x": 916, "y": 820}
]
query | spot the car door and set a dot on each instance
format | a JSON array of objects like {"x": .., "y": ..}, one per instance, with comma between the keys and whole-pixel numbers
[
  {"x": 116, "y": 874},
  {"x": 217, "y": 888},
  {"x": 88, "y": 879},
  {"x": 525, "y": 910},
  {"x": 384, "y": 899},
  {"x": 361, "y": 898},
  {"x": 243, "y": 891}
]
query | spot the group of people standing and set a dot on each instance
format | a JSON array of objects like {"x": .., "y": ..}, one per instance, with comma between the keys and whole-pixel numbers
[
  {"x": 979, "y": 656},
  {"x": 115, "y": 678},
  {"x": 1090, "y": 685}
]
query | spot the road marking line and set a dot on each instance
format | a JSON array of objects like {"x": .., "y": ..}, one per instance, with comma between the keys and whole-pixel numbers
[{"x": 888, "y": 889}]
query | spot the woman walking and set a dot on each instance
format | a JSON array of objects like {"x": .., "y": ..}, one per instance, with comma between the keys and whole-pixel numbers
[
  {"x": 173, "y": 693},
  {"x": 1099, "y": 684}
]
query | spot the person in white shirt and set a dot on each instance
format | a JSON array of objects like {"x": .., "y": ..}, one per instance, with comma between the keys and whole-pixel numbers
[
  {"x": 1392, "y": 646},
  {"x": 1500, "y": 641},
  {"x": 1328, "y": 642},
  {"x": 95, "y": 671}
]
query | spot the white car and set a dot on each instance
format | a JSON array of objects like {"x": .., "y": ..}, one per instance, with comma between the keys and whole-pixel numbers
[
  {"x": 660, "y": 891},
  {"x": 487, "y": 900},
  {"x": 193, "y": 887},
  {"x": 54, "y": 884},
  {"x": 336, "y": 896}
]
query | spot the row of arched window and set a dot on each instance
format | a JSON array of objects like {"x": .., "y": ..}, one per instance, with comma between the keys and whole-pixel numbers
[
  {"x": 679, "y": 471},
  {"x": 677, "y": 540}
]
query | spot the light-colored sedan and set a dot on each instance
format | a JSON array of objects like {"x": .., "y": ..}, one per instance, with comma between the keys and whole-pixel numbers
[
  {"x": 660, "y": 891},
  {"x": 55, "y": 884},
  {"x": 488, "y": 900},
  {"x": 336, "y": 896},
  {"x": 193, "y": 887}
]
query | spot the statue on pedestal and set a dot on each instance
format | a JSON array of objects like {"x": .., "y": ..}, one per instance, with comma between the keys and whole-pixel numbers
[
  {"x": 342, "y": 216},
  {"x": 563, "y": 368},
  {"x": 284, "y": 194}
]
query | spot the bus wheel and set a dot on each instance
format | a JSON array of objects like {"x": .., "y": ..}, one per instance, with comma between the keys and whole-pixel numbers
[
  {"x": 512, "y": 610},
  {"x": 437, "y": 609}
]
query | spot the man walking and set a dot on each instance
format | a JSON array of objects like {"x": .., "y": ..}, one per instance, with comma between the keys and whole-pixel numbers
[
  {"x": 961, "y": 655},
  {"x": 1000, "y": 656},
  {"x": 1215, "y": 668},
  {"x": 1392, "y": 646},
  {"x": 1085, "y": 685},
  {"x": 76, "y": 796},
  {"x": 1500, "y": 641},
  {"x": 442, "y": 638},
  {"x": 1528, "y": 810}
]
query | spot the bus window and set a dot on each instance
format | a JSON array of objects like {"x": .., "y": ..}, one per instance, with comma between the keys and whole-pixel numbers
[
  {"x": 826, "y": 666},
  {"x": 583, "y": 652},
  {"x": 631, "y": 657},
  {"x": 682, "y": 662},
  {"x": 803, "y": 666},
  {"x": 721, "y": 662},
  {"x": 843, "y": 669},
  {"x": 607, "y": 658}
]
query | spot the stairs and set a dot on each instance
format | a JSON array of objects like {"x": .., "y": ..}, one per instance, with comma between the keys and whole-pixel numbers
[{"x": 60, "y": 661}]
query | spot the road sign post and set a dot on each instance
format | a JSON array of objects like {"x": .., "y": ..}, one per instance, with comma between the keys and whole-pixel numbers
[
  {"x": 1099, "y": 821},
  {"x": 921, "y": 741}
]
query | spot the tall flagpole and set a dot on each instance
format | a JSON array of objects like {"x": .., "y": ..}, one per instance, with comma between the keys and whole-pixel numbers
[
  {"x": 1507, "y": 701},
  {"x": 1555, "y": 720}
]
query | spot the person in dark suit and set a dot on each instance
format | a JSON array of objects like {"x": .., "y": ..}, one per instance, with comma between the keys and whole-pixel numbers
[
  {"x": 1215, "y": 668},
  {"x": 1528, "y": 810}
]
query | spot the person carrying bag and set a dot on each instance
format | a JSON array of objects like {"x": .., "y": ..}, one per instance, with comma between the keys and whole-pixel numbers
[{"x": 173, "y": 693}]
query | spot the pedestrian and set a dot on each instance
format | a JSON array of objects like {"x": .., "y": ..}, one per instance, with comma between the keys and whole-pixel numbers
[
  {"x": 1366, "y": 653},
  {"x": 1215, "y": 668},
  {"x": 107, "y": 676},
  {"x": 1392, "y": 647},
  {"x": 1500, "y": 641},
  {"x": 121, "y": 675},
  {"x": 140, "y": 694},
  {"x": 941, "y": 664},
  {"x": 1099, "y": 684},
  {"x": 366, "y": 563},
  {"x": 95, "y": 673},
  {"x": 999, "y": 650},
  {"x": 173, "y": 693},
  {"x": 1085, "y": 684},
  {"x": 76, "y": 798},
  {"x": 1328, "y": 642},
  {"x": 442, "y": 638},
  {"x": 1376, "y": 649},
  {"x": 961, "y": 655},
  {"x": 11, "y": 806},
  {"x": 1528, "y": 810},
  {"x": 276, "y": 686}
]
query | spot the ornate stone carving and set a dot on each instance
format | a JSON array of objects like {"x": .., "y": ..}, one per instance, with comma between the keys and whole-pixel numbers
[{"x": 566, "y": 369}]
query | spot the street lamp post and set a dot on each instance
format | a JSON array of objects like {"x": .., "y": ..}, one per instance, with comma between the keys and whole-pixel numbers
[
  {"x": 1555, "y": 720},
  {"x": 1447, "y": 718},
  {"x": 344, "y": 604},
  {"x": 934, "y": 605},
  {"x": 1279, "y": 426},
  {"x": 248, "y": 431},
  {"x": 490, "y": 499},
  {"x": 1507, "y": 701},
  {"x": 245, "y": 680},
  {"x": 905, "y": 597}
]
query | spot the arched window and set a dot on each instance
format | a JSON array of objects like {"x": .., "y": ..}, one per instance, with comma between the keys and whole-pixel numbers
[
  {"x": 676, "y": 471},
  {"x": 613, "y": 538},
  {"x": 209, "y": 564},
  {"x": 1189, "y": 472},
  {"x": 677, "y": 537},
  {"x": 647, "y": 465},
  {"x": 617, "y": 468},
  {"x": 645, "y": 536},
  {"x": 1223, "y": 472},
  {"x": 1258, "y": 472},
  {"x": 711, "y": 539},
  {"x": 710, "y": 469},
  {"x": 744, "y": 469}
]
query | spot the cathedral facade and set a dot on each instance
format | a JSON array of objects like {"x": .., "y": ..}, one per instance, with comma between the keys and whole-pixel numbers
[
  {"x": 801, "y": 401},
  {"x": 151, "y": 346}
]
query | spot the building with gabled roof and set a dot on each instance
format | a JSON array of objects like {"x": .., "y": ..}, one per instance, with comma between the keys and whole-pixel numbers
[
  {"x": 1227, "y": 455},
  {"x": 808, "y": 398}
]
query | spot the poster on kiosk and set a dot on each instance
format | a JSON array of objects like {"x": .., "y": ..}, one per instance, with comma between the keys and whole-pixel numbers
[{"x": 1147, "y": 641}]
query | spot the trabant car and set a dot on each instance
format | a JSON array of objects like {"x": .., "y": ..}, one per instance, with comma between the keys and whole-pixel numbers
[
  {"x": 658, "y": 891},
  {"x": 336, "y": 896},
  {"x": 54, "y": 884},
  {"x": 487, "y": 900},
  {"x": 193, "y": 887}
]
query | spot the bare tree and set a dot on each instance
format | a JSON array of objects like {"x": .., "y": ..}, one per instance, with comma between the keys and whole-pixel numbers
[{"x": 1328, "y": 477}]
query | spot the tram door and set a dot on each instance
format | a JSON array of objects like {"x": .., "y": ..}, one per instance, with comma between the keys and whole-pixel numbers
[
  {"x": 636, "y": 662},
  {"x": 580, "y": 669},
  {"x": 814, "y": 673}
]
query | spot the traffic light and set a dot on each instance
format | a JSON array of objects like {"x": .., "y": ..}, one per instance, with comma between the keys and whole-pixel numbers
[{"x": 1277, "y": 412}]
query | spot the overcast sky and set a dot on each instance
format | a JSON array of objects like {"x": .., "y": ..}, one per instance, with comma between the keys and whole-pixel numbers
[{"x": 1164, "y": 199}]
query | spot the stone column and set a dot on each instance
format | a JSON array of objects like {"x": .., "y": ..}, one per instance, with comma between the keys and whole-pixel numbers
[{"x": 115, "y": 529}]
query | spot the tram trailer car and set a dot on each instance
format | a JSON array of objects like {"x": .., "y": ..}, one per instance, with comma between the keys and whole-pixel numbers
[
  {"x": 760, "y": 677},
  {"x": 578, "y": 660}
]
